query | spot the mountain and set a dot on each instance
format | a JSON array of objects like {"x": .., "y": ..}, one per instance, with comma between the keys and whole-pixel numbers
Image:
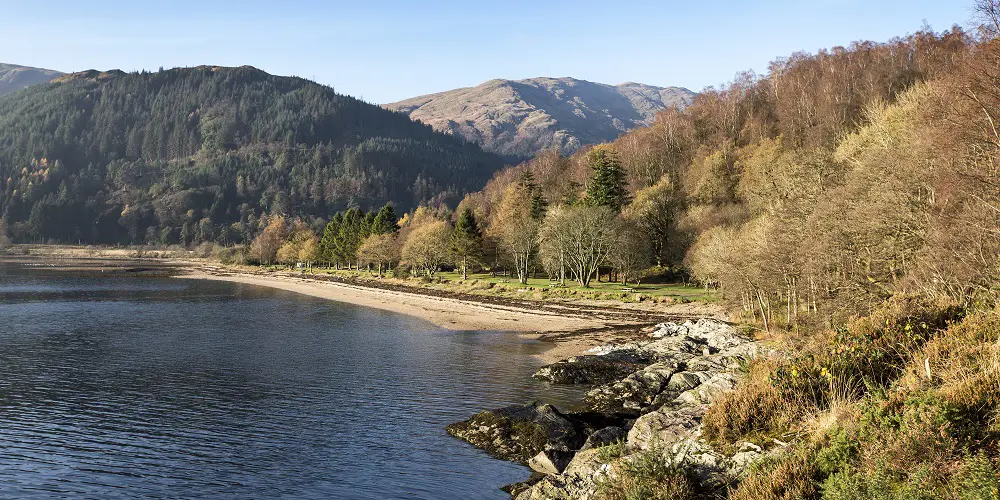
[
  {"x": 198, "y": 154},
  {"x": 14, "y": 78},
  {"x": 520, "y": 118}
]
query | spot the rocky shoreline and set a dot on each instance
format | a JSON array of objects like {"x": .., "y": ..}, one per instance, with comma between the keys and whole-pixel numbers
[{"x": 649, "y": 396}]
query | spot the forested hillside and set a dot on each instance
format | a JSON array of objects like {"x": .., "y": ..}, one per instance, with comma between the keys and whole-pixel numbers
[
  {"x": 202, "y": 154},
  {"x": 846, "y": 205},
  {"x": 814, "y": 181}
]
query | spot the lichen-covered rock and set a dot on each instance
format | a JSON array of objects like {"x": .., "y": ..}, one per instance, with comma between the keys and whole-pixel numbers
[
  {"x": 580, "y": 480},
  {"x": 708, "y": 390},
  {"x": 518, "y": 432},
  {"x": 663, "y": 428},
  {"x": 664, "y": 384},
  {"x": 634, "y": 393},
  {"x": 593, "y": 369},
  {"x": 683, "y": 381}
]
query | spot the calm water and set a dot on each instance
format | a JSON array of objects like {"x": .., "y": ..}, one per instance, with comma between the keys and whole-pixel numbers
[{"x": 146, "y": 387}]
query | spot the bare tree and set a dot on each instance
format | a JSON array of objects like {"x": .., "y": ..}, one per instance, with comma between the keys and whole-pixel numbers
[
  {"x": 989, "y": 12},
  {"x": 583, "y": 237}
]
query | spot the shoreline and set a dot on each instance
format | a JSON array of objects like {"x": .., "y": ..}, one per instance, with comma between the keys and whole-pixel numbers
[
  {"x": 569, "y": 328},
  {"x": 445, "y": 312}
]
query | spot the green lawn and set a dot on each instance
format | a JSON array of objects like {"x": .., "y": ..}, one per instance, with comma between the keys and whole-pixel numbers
[{"x": 485, "y": 284}]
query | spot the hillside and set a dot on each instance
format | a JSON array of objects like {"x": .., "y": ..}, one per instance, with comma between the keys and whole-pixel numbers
[
  {"x": 845, "y": 206},
  {"x": 520, "y": 118},
  {"x": 188, "y": 155},
  {"x": 14, "y": 78}
]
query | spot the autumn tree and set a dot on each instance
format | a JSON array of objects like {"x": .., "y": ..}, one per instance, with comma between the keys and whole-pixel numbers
[
  {"x": 301, "y": 245},
  {"x": 426, "y": 247},
  {"x": 656, "y": 210},
  {"x": 264, "y": 248},
  {"x": 378, "y": 249},
  {"x": 516, "y": 229}
]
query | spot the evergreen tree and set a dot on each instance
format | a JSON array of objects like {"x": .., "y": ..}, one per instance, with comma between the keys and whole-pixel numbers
[
  {"x": 351, "y": 234},
  {"x": 386, "y": 221},
  {"x": 328, "y": 244},
  {"x": 607, "y": 187},
  {"x": 539, "y": 205},
  {"x": 257, "y": 144},
  {"x": 467, "y": 241}
]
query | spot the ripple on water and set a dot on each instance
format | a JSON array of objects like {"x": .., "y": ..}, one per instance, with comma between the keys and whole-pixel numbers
[{"x": 137, "y": 387}]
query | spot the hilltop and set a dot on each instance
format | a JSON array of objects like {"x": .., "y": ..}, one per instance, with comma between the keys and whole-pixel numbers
[
  {"x": 522, "y": 117},
  {"x": 14, "y": 78}
]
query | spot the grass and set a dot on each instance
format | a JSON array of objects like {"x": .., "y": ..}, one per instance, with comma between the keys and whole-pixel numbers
[
  {"x": 902, "y": 404},
  {"x": 542, "y": 288}
]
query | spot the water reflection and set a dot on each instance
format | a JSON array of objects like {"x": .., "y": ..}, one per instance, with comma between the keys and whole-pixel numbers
[{"x": 126, "y": 387}]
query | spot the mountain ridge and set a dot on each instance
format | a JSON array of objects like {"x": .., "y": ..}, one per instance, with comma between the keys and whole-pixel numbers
[
  {"x": 523, "y": 117},
  {"x": 14, "y": 77}
]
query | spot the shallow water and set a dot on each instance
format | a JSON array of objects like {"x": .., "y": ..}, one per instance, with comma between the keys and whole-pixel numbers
[{"x": 156, "y": 387}]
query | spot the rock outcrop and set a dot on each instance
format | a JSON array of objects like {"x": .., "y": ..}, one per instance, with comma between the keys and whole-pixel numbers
[{"x": 655, "y": 408}]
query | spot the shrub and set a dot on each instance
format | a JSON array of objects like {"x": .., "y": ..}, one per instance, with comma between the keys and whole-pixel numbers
[
  {"x": 788, "y": 476},
  {"x": 754, "y": 411},
  {"x": 647, "y": 475},
  {"x": 612, "y": 451},
  {"x": 402, "y": 271},
  {"x": 232, "y": 255}
]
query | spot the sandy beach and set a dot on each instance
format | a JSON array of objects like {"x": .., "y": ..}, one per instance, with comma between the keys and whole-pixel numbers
[{"x": 453, "y": 314}]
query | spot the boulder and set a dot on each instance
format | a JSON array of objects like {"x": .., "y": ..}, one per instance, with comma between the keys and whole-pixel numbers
[
  {"x": 604, "y": 437},
  {"x": 593, "y": 369},
  {"x": 519, "y": 432},
  {"x": 580, "y": 480},
  {"x": 550, "y": 461},
  {"x": 634, "y": 393},
  {"x": 683, "y": 381},
  {"x": 663, "y": 428},
  {"x": 705, "y": 393},
  {"x": 515, "y": 489}
]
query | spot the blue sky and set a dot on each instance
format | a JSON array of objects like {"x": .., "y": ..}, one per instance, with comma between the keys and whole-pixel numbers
[{"x": 389, "y": 50}]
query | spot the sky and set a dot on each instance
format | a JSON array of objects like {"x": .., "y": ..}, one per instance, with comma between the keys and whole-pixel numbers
[{"x": 384, "y": 51}]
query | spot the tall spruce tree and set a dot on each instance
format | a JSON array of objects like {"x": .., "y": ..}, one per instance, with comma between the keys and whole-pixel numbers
[
  {"x": 328, "y": 244},
  {"x": 467, "y": 241},
  {"x": 386, "y": 221},
  {"x": 607, "y": 187}
]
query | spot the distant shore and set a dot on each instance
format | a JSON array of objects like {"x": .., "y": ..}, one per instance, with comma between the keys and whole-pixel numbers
[
  {"x": 450, "y": 313},
  {"x": 571, "y": 328}
]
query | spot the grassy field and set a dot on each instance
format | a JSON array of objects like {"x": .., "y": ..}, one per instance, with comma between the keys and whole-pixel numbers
[{"x": 540, "y": 288}]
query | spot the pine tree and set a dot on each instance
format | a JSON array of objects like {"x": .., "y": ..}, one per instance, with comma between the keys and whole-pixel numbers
[
  {"x": 607, "y": 187},
  {"x": 467, "y": 241},
  {"x": 328, "y": 244},
  {"x": 385, "y": 221},
  {"x": 539, "y": 205},
  {"x": 350, "y": 235}
]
